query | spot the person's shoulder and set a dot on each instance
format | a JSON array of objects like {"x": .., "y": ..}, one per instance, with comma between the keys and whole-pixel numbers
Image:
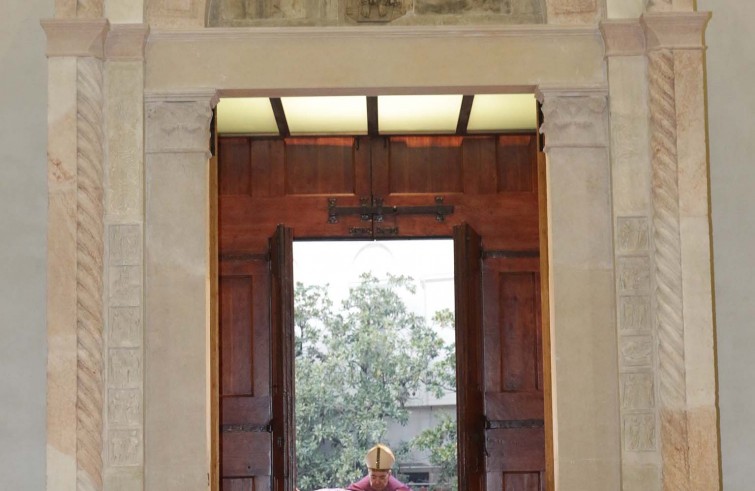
[{"x": 360, "y": 485}]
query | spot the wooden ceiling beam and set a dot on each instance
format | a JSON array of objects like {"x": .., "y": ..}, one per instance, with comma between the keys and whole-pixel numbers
[
  {"x": 280, "y": 116},
  {"x": 466, "y": 110},
  {"x": 372, "y": 116}
]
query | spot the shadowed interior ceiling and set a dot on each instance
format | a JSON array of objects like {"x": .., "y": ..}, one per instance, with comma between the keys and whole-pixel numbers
[{"x": 377, "y": 115}]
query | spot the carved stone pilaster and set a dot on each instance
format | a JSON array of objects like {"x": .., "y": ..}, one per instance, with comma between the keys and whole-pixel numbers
[
  {"x": 81, "y": 43},
  {"x": 668, "y": 269},
  {"x": 669, "y": 38},
  {"x": 581, "y": 279},
  {"x": 176, "y": 266}
]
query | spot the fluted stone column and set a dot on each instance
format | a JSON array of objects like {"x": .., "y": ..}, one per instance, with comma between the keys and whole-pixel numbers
[
  {"x": 75, "y": 309},
  {"x": 177, "y": 270},
  {"x": 632, "y": 223},
  {"x": 583, "y": 333},
  {"x": 682, "y": 255}
]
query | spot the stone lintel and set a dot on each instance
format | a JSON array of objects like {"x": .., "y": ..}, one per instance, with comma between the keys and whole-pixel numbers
[
  {"x": 279, "y": 59},
  {"x": 126, "y": 42},
  {"x": 674, "y": 30},
  {"x": 574, "y": 117},
  {"x": 76, "y": 37},
  {"x": 623, "y": 37}
]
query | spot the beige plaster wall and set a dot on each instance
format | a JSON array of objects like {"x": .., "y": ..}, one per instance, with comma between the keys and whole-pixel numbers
[
  {"x": 23, "y": 225},
  {"x": 731, "y": 103}
]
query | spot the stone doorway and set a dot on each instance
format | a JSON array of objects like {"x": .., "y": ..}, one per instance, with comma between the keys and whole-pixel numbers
[{"x": 625, "y": 411}]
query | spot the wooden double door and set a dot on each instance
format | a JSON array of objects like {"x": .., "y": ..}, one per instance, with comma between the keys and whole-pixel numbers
[{"x": 480, "y": 190}]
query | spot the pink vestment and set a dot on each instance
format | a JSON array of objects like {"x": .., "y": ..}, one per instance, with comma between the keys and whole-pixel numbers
[{"x": 364, "y": 485}]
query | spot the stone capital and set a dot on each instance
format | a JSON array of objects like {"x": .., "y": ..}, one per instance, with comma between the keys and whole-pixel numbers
[
  {"x": 126, "y": 42},
  {"x": 623, "y": 37},
  {"x": 575, "y": 118},
  {"x": 76, "y": 37},
  {"x": 674, "y": 30},
  {"x": 179, "y": 122}
]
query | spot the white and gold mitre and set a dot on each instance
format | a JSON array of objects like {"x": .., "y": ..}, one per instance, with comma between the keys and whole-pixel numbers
[{"x": 380, "y": 458}]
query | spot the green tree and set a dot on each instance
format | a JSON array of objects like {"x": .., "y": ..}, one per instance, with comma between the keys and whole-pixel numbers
[{"x": 356, "y": 368}]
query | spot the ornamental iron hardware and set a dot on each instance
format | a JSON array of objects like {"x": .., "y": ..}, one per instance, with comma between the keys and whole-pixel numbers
[
  {"x": 360, "y": 231},
  {"x": 499, "y": 424},
  {"x": 374, "y": 210},
  {"x": 392, "y": 231},
  {"x": 245, "y": 428}
]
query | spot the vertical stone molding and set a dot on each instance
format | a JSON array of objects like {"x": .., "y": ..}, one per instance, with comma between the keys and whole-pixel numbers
[
  {"x": 632, "y": 214},
  {"x": 124, "y": 203},
  {"x": 89, "y": 280},
  {"x": 680, "y": 224},
  {"x": 79, "y": 45},
  {"x": 582, "y": 301},
  {"x": 177, "y": 282}
]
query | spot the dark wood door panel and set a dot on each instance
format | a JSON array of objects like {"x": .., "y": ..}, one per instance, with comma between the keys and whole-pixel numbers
[
  {"x": 264, "y": 168},
  {"x": 469, "y": 360},
  {"x": 512, "y": 407},
  {"x": 513, "y": 340},
  {"x": 515, "y": 449},
  {"x": 246, "y": 223},
  {"x": 417, "y": 164},
  {"x": 500, "y": 164},
  {"x": 244, "y": 330},
  {"x": 515, "y": 481},
  {"x": 245, "y": 454},
  {"x": 246, "y": 412},
  {"x": 325, "y": 166}
]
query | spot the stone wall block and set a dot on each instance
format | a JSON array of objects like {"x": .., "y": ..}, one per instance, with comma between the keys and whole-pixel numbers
[{"x": 175, "y": 13}]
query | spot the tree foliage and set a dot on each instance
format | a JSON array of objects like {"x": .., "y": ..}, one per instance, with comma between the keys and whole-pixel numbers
[{"x": 356, "y": 369}]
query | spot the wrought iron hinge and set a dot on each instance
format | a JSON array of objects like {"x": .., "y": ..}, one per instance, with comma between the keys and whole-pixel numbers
[{"x": 375, "y": 210}]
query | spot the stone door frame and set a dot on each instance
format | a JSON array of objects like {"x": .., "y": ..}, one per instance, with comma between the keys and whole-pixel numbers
[{"x": 129, "y": 301}]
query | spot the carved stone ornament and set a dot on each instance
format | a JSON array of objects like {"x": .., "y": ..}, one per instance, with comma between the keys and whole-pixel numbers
[
  {"x": 574, "y": 119},
  {"x": 179, "y": 123},
  {"x": 377, "y": 11}
]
